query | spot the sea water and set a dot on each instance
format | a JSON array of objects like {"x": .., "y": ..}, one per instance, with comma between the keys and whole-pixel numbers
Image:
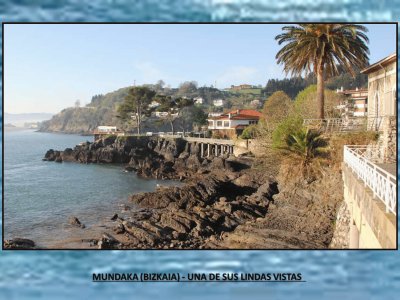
[
  {"x": 40, "y": 196},
  {"x": 329, "y": 274}
]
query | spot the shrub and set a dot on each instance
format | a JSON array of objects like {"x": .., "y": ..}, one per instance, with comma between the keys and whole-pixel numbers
[
  {"x": 285, "y": 128},
  {"x": 338, "y": 141},
  {"x": 305, "y": 151},
  {"x": 250, "y": 132},
  {"x": 217, "y": 135},
  {"x": 276, "y": 108},
  {"x": 306, "y": 104}
]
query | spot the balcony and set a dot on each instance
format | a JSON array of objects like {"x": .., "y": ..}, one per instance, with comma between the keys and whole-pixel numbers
[{"x": 368, "y": 164}]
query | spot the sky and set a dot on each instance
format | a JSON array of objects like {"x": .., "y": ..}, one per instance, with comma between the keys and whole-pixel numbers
[{"x": 47, "y": 67}]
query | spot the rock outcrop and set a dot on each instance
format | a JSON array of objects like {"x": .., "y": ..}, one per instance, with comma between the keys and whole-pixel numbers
[
  {"x": 224, "y": 204},
  {"x": 74, "y": 221},
  {"x": 300, "y": 216},
  {"x": 150, "y": 157},
  {"x": 19, "y": 243},
  {"x": 192, "y": 215}
]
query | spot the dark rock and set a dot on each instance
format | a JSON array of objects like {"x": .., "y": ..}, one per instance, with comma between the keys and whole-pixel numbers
[
  {"x": 107, "y": 241},
  {"x": 74, "y": 221},
  {"x": 114, "y": 217},
  {"x": 130, "y": 169},
  {"x": 119, "y": 229},
  {"x": 19, "y": 243},
  {"x": 50, "y": 155}
]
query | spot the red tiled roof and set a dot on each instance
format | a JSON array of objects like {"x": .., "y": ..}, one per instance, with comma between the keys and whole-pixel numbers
[
  {"x": 243, "y": 117},
  {"x": 244, "y": 114}
]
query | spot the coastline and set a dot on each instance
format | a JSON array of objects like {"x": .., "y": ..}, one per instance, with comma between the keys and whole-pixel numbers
[{"x": 223, "y": 204}]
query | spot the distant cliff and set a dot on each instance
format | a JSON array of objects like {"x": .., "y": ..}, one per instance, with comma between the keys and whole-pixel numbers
[{"x": 100, "y": 111}]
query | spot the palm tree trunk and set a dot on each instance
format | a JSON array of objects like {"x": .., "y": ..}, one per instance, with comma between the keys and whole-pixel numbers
[{"x": 320, "y": 92}]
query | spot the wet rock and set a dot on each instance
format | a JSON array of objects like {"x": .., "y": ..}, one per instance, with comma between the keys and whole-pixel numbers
[
  {"x": 119, "y": 229},
  {"x": 107, "y": 241},
  {"x": 114, "y": 217},
  {"x": 19, "y": 243},
  {"x": 50, "y": 155},
  {"x": 74, "y": 221},
  {"x": 139, "y": 233}
]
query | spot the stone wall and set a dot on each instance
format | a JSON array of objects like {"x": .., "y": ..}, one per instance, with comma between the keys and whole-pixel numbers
[
  {"x": 387, "y": 139},
  {"x": 249, "y": 146},
  {"x": 341, "y": 234}
]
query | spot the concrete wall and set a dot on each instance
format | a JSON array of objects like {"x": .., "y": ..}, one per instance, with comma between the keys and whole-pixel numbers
[
  {"x": 370, "y": 226},
  {"x": 250, "y": 145}
]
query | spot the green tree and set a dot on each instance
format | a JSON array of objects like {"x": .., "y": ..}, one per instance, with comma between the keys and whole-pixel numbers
[
  {"x": 321, "y": 48},
  {"x": 187, "y": 89},
  {"x": 277, "y": 107},
  {"x": 172, "y": 107},
  {"x": 136, "y": 105},
  {"x": 250, "y": 132},
  {"x": 192, "y": 115},
  {"x": 306, "y": 106}
]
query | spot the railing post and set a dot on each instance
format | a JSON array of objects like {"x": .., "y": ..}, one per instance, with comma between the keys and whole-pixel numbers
[{"x": 387, "y": 192}]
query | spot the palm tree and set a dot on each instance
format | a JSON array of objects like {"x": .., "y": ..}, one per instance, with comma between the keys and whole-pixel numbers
[
  {"x": 322, "y": 48},
  {"x": 305, "y": 151},
  {"x": 306, "y": 144}
]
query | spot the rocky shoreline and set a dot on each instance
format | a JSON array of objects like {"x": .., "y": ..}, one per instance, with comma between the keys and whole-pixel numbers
[{"x": 224, "y": 203}]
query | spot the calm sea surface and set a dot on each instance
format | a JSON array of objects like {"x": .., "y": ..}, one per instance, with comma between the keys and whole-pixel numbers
[
  {"x": 329, "y": 274},
  {"x": 39, "y": 196}
]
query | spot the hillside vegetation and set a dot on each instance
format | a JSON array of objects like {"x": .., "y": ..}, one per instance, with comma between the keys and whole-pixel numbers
[{"x": 100, "y": 111}]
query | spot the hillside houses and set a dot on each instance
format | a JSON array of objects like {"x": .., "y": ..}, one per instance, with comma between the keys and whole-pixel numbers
[{"x": 356, "y": 102}]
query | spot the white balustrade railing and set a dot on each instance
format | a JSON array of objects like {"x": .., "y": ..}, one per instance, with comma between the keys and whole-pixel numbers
[
  {"x": 382, "y": 183},
  {"x": 347, "y": 124}
]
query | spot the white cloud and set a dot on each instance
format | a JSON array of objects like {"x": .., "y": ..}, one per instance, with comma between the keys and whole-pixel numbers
[{"x": 237, "y": 75}]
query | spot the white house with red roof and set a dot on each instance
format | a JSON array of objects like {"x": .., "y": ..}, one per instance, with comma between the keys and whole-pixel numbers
[{"x": 234, "y": 122}]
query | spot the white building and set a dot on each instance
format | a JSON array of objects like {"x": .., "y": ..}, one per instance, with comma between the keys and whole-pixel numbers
[
  {"x": 218, "y": 102},
  {"x": 198, "y": 100},
  {"x": 106, "y": 129},
  {"x": 214, "y": 114},
  {"x": 154, "y": 104},
  {"x": 234, "y": 122},
  {"x": 163, "y": 114},
  {"x": 255, "y": 103}
]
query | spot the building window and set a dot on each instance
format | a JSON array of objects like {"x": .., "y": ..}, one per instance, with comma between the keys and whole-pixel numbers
[
  {"x": 211, "y": 123},
  {"x": 226, "y": 123},
  {"x": 219, "y": 123},
  {"x": 252, "y": 122}
]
